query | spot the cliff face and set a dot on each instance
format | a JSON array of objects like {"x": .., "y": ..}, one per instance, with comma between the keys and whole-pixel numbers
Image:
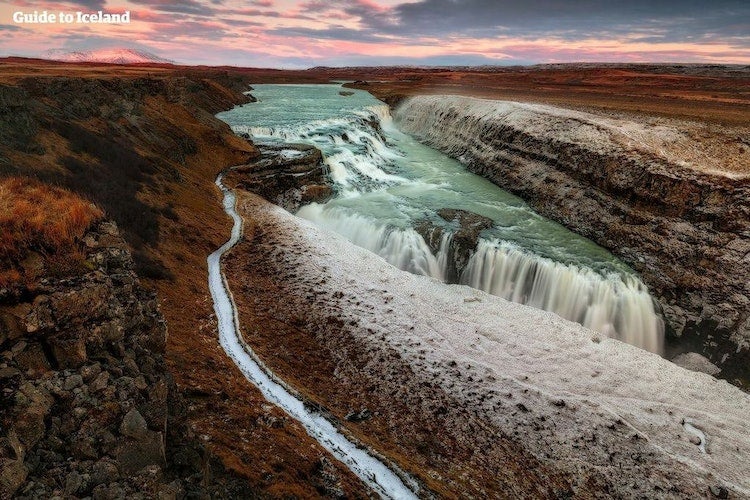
[
  {"x": 686, "y": 231},
  {"x": 134, "y": 146},
  {"x": 144, "y": 145},
  {"x": 88, "y": 406}
]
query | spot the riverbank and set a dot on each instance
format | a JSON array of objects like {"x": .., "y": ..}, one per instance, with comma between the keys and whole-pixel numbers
[{"x": 399, "y": 365}]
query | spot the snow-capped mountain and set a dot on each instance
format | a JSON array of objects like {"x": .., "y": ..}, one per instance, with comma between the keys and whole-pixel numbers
[{"x": 112, "y": 55}]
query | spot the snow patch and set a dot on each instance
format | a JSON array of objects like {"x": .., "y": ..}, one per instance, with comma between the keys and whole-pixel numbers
[
  {"x": 111, "y": 56},
  {"x": 699, "y": 435},
  {"x": 497, "y": 356},
  {"x": 428, "y": 116}
]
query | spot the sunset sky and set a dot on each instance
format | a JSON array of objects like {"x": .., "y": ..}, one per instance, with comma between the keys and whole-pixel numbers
[{"x": 293, "y": 33}]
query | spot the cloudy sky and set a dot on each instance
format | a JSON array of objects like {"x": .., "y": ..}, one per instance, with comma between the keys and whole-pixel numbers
[{"x": 294, "y": 33}]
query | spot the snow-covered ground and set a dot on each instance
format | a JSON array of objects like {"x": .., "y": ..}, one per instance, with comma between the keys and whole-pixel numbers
[
  {"x": 679, "y": 143},
  {"x": 367, "y": 467},
  {"x": 573, "y": 397}
]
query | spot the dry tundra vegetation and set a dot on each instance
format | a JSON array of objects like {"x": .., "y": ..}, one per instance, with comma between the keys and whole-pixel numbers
[
  {"x": 37, "y": 219},
  {"x": 143, "y": 145}
]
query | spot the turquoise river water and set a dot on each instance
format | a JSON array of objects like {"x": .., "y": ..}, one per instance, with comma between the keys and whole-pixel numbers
[{"x": 386, "y": 183}]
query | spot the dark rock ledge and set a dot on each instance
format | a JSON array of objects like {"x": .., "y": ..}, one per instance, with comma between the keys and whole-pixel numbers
[
  {"x": 289, "y": 175},
  {"x": 465, "y": 237}
]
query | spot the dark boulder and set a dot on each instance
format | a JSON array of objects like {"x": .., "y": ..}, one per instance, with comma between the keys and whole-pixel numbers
[{"x": 464, "y": 238}]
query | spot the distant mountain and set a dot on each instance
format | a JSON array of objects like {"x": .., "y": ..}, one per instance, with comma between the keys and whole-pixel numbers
[{"x": 112, "y": 56}]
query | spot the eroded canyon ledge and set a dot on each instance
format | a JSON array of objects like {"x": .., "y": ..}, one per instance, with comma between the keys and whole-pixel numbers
[{"x": 647, "y": 191}]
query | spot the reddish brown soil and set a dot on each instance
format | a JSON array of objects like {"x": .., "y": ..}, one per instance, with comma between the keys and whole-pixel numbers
[
  {"x": 712, "y": 95},
  {"x": 718, "y": 94}
]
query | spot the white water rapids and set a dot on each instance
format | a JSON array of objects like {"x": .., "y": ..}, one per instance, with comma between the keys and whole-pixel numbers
[
  {"x": 369, "y": 469},
  {"x": 387, "y": 183}
]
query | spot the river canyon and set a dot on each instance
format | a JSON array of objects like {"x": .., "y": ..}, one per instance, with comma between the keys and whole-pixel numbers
[
  {"x": 428, "y": 295},
  {"x": 411, "y": 208},
  {"x": 390, "y": 193}
]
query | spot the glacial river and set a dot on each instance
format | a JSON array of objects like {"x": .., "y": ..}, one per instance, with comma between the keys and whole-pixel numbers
[{"x": 386, "y": 183}]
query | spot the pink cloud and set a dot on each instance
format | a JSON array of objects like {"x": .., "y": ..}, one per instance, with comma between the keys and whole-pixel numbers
[{"x": 295, "y": 32}]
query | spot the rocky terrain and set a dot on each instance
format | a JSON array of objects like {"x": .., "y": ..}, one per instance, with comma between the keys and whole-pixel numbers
[
  {"x": 144, "y": 145},
  {"x": 464, "y": 242},
  {"x": 704, "y": 94},
  {"x": 89, "y": 408},
  {"x": 685, "y": 230},
  {"x": 289, "y": 176}
]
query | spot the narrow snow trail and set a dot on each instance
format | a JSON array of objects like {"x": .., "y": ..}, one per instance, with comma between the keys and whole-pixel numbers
[{"x": 369, "y": 469}]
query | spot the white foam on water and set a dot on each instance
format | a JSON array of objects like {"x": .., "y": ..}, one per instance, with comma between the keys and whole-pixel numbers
[
  {"x": 404, "y": 248},
  {"x": 619, "y": 307},
  {"x": 361, "y": 158}
]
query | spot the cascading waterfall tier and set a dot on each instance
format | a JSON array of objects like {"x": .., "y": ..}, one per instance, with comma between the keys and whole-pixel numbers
[
  {"x": 403, "y": 248},
  {"x": 617, "y": 306},
  {"x": 360, "y": 156},
  {"x": 386, "y": 183}
]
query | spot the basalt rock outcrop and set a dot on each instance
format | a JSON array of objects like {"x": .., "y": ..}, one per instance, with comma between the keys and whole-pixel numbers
[
  {"x": 686, "y": 231},
  {"x": 463, "y": 239},
  {"x": 289, "y": 176},
  {"x": 88, "y": 408}
]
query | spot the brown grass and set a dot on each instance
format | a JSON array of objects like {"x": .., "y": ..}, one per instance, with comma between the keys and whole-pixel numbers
[{"x": 40, "y": 218}]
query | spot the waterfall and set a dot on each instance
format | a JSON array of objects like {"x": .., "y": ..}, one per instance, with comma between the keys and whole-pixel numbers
[
  {"x": 403, "y": 248},
  {"x": 617, "y": 306},
  {"x": 387, "y": 184},
  {"x": 358, "y": 156},
  {"x": 382, "y": 112}
]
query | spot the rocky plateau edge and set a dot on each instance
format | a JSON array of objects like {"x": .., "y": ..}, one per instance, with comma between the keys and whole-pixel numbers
[
  {"x": 686, "y": 232},
  {"x": 89, "y": 408}
]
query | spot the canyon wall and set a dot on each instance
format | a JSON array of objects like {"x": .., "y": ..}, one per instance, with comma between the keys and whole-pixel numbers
[
  {"x": 143, "y": 144},
  {"x": 625, "y": 186},
  {"x": 88, "y": 405}
]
